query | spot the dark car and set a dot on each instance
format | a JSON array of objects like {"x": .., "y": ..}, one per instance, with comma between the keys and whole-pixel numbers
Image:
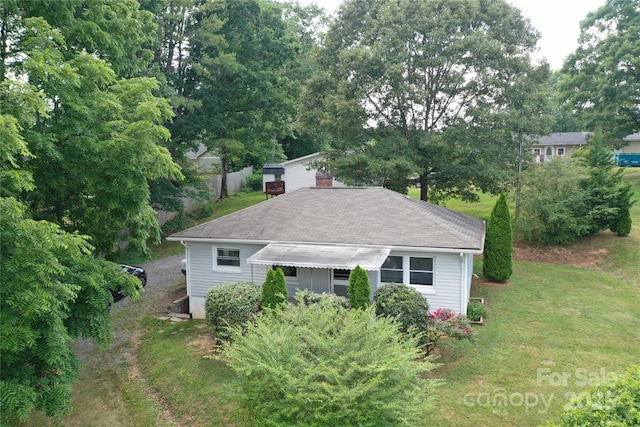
[{"x": 139, "y": 272}]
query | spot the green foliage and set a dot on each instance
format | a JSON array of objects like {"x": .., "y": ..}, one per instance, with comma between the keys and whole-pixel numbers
[
  {"x": 406, "y": 305},
  {"x": 190, "y": 218},
  {"x": 229, "y": 305},
  {"x": 602, "y": 84},
  {"x": 498, "y": 244},
  {"x": 52, "y": 291},
  {"x": 476, "y": 310},
  {"x": 623, "y": 225},
  {"x": 359, "y": 289},
  {"x": 311, "y": 366},
  {"x": 308, "y": 297},
  {"x": 445, "y": 323},
  {"x": 254, "y": 182},
  {"x": 615, "y": 403},
  {"x": 402, "y": 67},
  {"x": 571, "y": 198},
  {"x": 274, "y": 289}
]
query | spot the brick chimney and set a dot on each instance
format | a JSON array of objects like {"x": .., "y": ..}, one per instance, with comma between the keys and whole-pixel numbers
[{"x": 324, "y": 179}]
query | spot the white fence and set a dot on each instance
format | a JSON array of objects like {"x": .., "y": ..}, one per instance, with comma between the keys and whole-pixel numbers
[{"x": 235, "y": 182}]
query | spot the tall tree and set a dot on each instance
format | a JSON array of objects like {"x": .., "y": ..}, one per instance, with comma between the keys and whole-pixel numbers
[
  {"x": 243, "y": 56},
  {"x": 52, "y": 289},
  {"x": 603, "y": 83},
  {"x": 498, "y": 245},
  {"x": 431, "y": 82},
  {"x": 96, "y": 145}
]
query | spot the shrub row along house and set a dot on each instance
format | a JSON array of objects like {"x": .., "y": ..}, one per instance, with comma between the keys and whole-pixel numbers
[{"x": 317, "y": 235}]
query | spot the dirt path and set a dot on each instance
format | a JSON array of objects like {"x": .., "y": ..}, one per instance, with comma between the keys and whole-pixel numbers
[{"x": 110, "y": 390}]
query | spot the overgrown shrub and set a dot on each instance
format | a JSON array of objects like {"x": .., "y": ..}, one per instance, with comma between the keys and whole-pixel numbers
[
  {"x": 231, "y": 305},
  {"x": 308, "y": 366},
  {"x": 359, "y": 289},
  {"x": 274, "y": 289},
  {"x": 254, "y": 182},
  {"x": 498, "y": 244},
  {"x": 187, "y": 219},
  {"x": 308, "y": 297},
  {"x": 476, "y": 310},
  {"x": 616, "y": 403},
  {"x": 406, "y": 305}
]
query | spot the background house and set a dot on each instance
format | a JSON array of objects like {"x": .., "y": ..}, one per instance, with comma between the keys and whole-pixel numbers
[
  {"x": 295, "y": 173},
  {"x": 318, "y": 235},
  {"x": 629, "y": 155},
  {"x": 557, "y": 145},
  {"x": 203, "y": 160}
]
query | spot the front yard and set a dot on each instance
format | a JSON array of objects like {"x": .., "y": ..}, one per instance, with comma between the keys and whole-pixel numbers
[{"x": 553, "y": 331}]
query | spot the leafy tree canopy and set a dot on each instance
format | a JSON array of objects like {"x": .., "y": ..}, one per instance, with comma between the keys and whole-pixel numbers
[
  {"x": 603, "y": 82},
  {"x": 442, "y": 85}
]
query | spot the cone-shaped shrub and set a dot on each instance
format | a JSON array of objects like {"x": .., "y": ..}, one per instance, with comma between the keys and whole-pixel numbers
[
  {"x": 359, "y": 290},
  {"x": 274, "y": 289},
  {"x": 623, "y": 225},
  {"x": 498, "y": 246}
]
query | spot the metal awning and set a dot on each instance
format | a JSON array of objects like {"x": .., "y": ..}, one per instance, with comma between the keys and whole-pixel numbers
[{"x": 320, "y": 256}]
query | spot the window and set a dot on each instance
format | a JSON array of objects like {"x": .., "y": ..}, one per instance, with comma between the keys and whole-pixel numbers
[
  {"x": 560, "y": 151},
  {"x": 549, "y": 151},
  {"x": 391, "y": 270},
  {"x": 287, "y": 270},
  {"x": 228, "y": 257},
  {"x": 536, "y": 151},
  {"x": 421, "y": 271},
  {"x": 407, "y": 270},
  {"x": 341, "y": 274}
]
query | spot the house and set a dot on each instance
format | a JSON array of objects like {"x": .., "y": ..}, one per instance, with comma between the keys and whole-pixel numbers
[
  {"x": 629, "y": 155},
  {"x": 203, "y": 159},
  {"x": 557, "y": 145},
  {"x": 319, "y": 234},
  {"x": 278, "y": 178}
]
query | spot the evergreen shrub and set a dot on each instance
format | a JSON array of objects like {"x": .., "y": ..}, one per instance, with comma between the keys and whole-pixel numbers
[
  {"x": 498, "y": 245},
  {"x": 406, "y": 305},
  {"x": 359, "y": 289},
  {"x": 274, "y": 289},
  {"x": 230, "y": 305}
]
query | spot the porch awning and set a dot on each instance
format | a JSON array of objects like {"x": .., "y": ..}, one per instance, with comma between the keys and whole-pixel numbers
[{"x": 320, "y": 256}]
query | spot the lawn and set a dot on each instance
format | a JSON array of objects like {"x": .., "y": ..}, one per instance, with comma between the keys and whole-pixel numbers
[{"x": 550, "y": 333}]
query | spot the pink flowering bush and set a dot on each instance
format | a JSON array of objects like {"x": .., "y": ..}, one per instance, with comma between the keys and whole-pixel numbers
[{"x": 446, "y": 323}]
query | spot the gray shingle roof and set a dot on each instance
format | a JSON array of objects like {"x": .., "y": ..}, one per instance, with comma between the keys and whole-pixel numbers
[
  {"x": 564, "y": 138},
  {"x": 361, "y": 215}
]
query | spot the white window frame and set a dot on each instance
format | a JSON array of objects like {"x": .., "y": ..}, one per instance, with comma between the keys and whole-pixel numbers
[
  {"x": 406, "y": 273},
  {"x": 227, "y": 268},
  {"x": 563, "y": 151}
]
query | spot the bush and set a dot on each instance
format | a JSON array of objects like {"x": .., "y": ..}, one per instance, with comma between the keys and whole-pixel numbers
[
  {"x": 231, "y": 305},
  {"x": 308, "y": 366},
  {"x": 254, "y": 182},
  {"x": 308, "y": 297},
  {"x": 274, "y": 290},
  {"x": 616, "y": 403},
  {"x": 359, "y": 290},
  {"x": 498, "y": 245},
  {"x": 445, "y": 323},
  {"x": 405, "y": 304},
  {"x": 476, "y": 310},
  {"x": 623, "y": 225}
]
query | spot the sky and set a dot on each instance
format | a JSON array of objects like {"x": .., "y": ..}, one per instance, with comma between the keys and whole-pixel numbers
[{"x": 558, "y": 21}]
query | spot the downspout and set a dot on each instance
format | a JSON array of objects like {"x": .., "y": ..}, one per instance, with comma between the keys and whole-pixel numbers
[
  {"x": 188, "y": 276},
  {"x": 463, "y": 288}
]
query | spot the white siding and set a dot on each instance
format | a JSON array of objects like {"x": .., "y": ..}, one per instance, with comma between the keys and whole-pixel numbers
[
  {"x": 202, "y": 275},
  {"x": 448, "y": 290},
  {"x": 452, "y": 276}
]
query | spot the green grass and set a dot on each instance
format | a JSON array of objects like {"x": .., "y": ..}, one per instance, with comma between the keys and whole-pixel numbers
[
  {"x": 481, "y": 209},
  {"x": 551, "y": 333}
]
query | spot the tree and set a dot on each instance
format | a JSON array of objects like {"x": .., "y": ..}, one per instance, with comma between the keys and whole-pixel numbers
[
  {"x": 441, "y": 88},
  {"x": 327, "y": 365},
  {"x": 603, "y": 82},
  {"x": 96, "y": 144},
  {"x": 242, "y": 54},
  {"x": 52, "y": 290},
  {"x": 623, "y": 225},
  {"x": 498, "y": 244},
  {"x": 359, "y": 290},
  {"x": 274, "y": 289}
]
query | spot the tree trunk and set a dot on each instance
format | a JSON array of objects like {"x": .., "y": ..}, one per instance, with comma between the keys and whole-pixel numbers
[
  {"x": 223, "y": 174},
  {"x": 424, "y": 186}
]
